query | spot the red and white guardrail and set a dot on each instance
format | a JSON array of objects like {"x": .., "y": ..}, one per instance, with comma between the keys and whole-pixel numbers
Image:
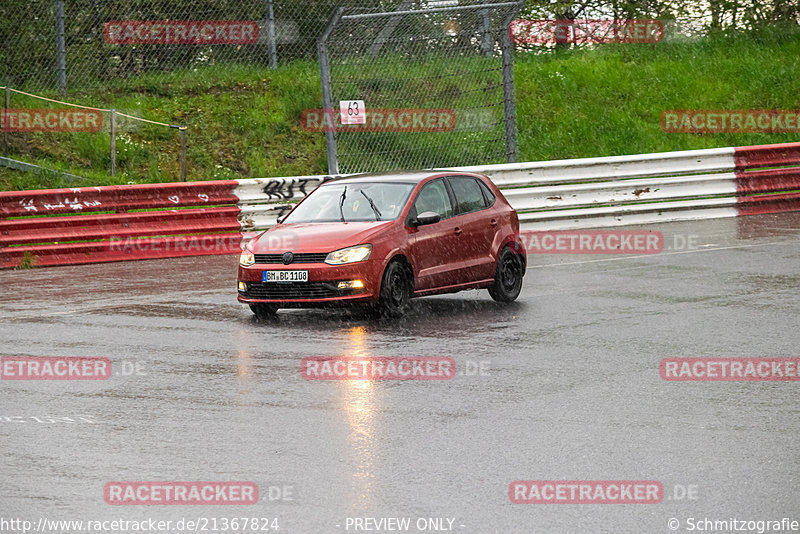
[
  {"x": 649, "y": 188},
  {"x": 132, "y": 222}
]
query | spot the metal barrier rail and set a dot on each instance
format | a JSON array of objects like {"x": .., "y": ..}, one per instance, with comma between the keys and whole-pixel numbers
[
  {"x": 99, "y": 224},
  {"x": 650, "y": 188}
]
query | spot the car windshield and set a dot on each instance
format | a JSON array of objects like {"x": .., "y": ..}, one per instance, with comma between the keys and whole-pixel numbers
[{"x": 352, "y": 202}]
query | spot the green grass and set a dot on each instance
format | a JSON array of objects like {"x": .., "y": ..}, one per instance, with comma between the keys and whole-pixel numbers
[
  {"x": 608, "y": 102},
  {"x": 244, "y": 121}
]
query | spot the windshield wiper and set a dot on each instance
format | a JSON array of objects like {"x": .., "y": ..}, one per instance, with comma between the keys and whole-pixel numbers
[
  {"x": 372, "y": 205},
  {"x": 341, "y": 202}
]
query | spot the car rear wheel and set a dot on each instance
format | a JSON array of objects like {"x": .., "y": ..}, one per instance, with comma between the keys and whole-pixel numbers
[
  {"x": 396, "y": 289},
  {"x": 264, "y": 311},
  {"x": 508, "y": 278}
]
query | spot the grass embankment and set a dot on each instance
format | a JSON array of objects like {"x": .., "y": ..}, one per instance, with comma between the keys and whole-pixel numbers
[{"x": 244, "y": 122}]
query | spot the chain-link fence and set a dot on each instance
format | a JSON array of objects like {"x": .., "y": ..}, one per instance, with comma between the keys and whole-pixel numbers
[
  {"x": 432, "y": 75},
  {"x": 73, "y": 44},
  {"x": 435, "y": 76},
  {"x": 427, "y": 85}
]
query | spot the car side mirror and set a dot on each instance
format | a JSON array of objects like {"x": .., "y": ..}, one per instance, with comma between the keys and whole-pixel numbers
[{"x": 426, "y": 217}]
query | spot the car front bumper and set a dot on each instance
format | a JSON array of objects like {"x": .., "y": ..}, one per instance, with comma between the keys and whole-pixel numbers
[{"x": 322, "y": 288}]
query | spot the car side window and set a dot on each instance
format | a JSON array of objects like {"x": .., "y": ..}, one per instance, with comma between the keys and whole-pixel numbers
[
  {"x": 487, "y": 193},
  {"x": 433, "y": 197},
  {"x": 469, "y": 196}
]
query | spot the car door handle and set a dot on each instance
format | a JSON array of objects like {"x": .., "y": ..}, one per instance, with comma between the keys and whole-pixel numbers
[
  {"x": 493, "y": 222},
  {"x": 459, "y": 231}
]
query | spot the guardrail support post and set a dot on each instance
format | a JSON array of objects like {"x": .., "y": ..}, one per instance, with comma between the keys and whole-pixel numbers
[
  {"x": 183, "y": 153},
  {"x": 113, "y": 127}
]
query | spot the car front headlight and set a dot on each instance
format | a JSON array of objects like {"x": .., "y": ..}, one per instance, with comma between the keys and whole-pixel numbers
[
  {"x": 247, "y": 258},
  {"x": 349, "y": 255}
]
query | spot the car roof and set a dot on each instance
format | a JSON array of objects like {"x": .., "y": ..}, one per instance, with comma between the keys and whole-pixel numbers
[{"x": 402, "y": 176}]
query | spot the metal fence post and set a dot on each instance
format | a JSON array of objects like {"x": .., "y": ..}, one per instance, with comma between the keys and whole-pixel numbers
[
  {"x": 61, "y": 49},
  {"x": 183, "y": 153},
  {"x": 8, "y": 105},
  {"x": 273, "y": 52},
  {"x": 113, "y": 126},
  {"x": 509, "y": 92},
  {"x": 486, "y": 31},
  {"x": 327, "y": 90}
]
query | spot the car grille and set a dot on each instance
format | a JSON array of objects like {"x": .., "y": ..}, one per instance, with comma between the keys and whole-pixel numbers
[
  {"x": 292, "y": 291},
  {"x": 300, "y": 257}
]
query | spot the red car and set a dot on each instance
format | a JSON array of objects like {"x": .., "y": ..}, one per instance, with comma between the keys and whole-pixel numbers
[{"x": 380, "y": 240}]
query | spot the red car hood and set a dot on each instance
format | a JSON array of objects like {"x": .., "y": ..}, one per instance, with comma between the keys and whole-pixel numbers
[{"x": 316, "y": 237}]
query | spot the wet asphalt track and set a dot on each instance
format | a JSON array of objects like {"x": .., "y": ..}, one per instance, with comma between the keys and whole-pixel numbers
[{"x": 571, "y": 391}]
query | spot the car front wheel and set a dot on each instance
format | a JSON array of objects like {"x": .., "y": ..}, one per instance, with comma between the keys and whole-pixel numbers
[
  {"x": 396, "y": 289},
  {"x": 508, "y": 278}
]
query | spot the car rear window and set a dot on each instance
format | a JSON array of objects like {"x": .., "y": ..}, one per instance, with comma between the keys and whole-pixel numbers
[
  {"x": 469, "y": 196},
  {"x": 487, "y": 193}
]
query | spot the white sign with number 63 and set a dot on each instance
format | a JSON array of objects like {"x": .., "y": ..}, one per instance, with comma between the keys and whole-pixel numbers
[{"x": 352, "y": 112}]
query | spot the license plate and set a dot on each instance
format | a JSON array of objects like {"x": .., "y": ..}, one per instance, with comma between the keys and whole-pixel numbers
[{"x": 285, "y": 276}]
